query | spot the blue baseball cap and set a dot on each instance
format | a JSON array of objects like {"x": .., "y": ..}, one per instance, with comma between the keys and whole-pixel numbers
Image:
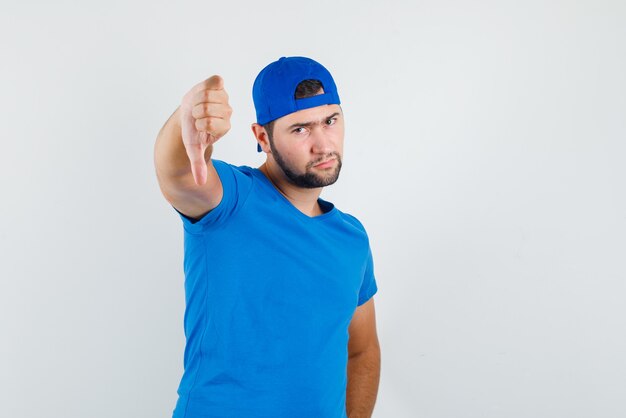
[{"x": 274, "y": 88}]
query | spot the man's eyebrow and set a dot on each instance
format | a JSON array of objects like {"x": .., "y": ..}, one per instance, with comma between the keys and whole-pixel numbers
[{"x": 307, "y": 124}]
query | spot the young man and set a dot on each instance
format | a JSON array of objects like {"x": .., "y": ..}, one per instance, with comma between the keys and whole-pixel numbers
[{"x": 279, "y": 318}]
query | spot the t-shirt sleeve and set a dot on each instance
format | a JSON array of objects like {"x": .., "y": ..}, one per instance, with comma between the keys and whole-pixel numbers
[
  {"x": 368, "y": 287},
  {"x": 236, "y": 185}
]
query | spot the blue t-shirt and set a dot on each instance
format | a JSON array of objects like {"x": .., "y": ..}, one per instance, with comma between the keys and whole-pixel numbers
[{"x": 269, "y": 294}]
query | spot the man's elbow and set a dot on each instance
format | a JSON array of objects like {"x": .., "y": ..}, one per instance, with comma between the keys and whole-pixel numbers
[{"x": 372, "y": 350}]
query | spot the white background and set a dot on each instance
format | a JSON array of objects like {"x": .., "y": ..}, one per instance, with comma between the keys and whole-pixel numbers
[{"x": 485, "y": 147}]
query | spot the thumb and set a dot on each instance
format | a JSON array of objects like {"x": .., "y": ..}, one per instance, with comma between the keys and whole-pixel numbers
[
  {"x": 214, "y": 83},
  {"x": 195, "y": 152}
]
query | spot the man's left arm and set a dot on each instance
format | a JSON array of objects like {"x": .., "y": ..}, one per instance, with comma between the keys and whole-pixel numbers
[{"x": 363, "y": 362}]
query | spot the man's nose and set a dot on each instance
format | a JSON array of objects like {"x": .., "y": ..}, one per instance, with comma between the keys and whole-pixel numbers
[{"x": 322, "y": 141}]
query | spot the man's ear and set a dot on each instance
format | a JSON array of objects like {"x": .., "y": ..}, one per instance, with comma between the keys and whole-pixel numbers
[{"x": 261, "y": 137}]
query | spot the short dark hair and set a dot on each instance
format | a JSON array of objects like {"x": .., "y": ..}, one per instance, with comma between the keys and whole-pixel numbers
[{"x": 306, "y": 88}]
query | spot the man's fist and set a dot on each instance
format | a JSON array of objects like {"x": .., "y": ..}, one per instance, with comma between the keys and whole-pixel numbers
[{"x": 205, "y": 118}]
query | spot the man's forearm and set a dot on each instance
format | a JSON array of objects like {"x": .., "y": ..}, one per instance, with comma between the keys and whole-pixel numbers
[{"x": 363, "y": 379}]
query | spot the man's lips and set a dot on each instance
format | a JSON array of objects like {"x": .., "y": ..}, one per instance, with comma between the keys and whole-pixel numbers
[{"x": 325, "y": 164}]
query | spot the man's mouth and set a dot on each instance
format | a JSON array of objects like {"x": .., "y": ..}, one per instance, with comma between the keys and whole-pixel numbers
[{"x": 325, "y": 163}]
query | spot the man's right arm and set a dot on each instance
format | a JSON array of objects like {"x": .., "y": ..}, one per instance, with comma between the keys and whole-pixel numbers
[{"x": 182, "y": 153}]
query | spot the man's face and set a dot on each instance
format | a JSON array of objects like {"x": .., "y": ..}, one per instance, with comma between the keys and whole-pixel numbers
[{"x": 308, "y": 145}]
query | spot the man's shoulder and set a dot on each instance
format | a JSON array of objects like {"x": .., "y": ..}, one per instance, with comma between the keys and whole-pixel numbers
[
  {"x": 229, "y": 166},
  {"x": 351, "y": 220},
  {"x": 239, "y": 177}
]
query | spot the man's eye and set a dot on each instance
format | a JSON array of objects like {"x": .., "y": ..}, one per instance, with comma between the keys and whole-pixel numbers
[
  {"x": 331, "y": 121},
  {"x": 298, "y": 130}
]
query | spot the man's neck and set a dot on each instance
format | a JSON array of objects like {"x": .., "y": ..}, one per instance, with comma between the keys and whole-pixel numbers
[{"x": 305, "y": 200}]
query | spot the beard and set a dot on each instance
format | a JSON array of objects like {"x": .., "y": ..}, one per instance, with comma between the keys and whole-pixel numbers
[{"x": 308, "y": 179}]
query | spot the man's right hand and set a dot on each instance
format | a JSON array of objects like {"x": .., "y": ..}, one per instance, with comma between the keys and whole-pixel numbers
[{"x": 205, "y": 118}]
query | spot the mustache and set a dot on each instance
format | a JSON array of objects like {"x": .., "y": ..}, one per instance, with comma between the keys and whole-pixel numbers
[{"x": 324, "y": 158}]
